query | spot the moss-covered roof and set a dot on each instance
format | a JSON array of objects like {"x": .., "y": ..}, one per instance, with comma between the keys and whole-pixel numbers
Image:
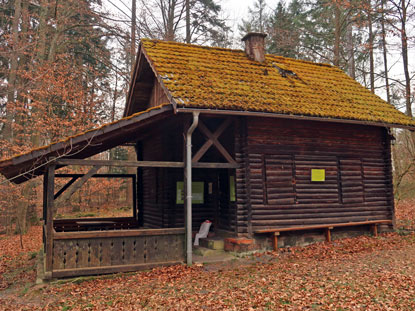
[{"x": 216, "y": 78}]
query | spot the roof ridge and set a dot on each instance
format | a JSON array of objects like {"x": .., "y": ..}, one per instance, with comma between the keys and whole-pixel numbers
[{"x": 237, "y": 50}]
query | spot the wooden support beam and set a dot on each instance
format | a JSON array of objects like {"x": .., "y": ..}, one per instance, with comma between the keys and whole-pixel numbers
[
  {"x": 134, "y": 186},
  {"x": 50, "y": 190},
  {"x": 78, "y": 184},
  {"x": 275, "y": 240},
  {"x": 96, "y": 175},
  {"x": 374, "y": 229},
  {"x": 328, "y": 234},
  {"x": 143, "y": 163},
  {"x": 66, "y": 186},
  {"x": 214, "y": 165},
  {"x": 120, "y": 163},
  {"x": 212, "y": 139}
]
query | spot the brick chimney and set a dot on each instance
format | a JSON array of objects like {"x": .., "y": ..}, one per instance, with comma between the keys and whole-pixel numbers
[{"x": 255, "y": 45}]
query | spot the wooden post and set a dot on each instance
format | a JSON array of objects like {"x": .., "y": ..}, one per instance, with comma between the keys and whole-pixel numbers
[
  {"x": 139, "y": 185},
  {"x": 45, "y": 200},
  {"x": 134, "y": 185},
  {"x": 275, "y": 240},
  {"x": 49, "y": 195},
  {"x": 374, "y": 229},
  {"x": 328, "y": 234}
]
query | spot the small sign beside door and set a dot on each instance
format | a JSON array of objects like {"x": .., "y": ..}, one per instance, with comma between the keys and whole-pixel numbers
[{"x": 198, "y": 189}]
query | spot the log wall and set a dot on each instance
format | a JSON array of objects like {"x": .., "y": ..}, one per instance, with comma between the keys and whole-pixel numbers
[
  {"x": 275, "y": 187},
  {"x": 158, "y": 206}
]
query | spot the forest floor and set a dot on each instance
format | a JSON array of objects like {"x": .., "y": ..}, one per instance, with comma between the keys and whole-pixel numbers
[{"x": 362, "y": 273}]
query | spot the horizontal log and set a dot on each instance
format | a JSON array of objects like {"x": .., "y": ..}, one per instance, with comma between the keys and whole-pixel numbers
[
  {"x": 268, "y": 210},
  {"x": 321, "y": 195},
  {"x": 319, "y": 200},
  {"x": 300, "y": 217},
  {"x": 119, "y": 163},
  {"x": 96, "y": 175},
  {"x": 280, "y": 201}
]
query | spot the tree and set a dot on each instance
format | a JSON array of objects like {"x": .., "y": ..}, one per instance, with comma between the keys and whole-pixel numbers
[
  {"x": 56, "y": 72},
  {"x": 257, "y": 18},
  {"x": 402, "y": 11},
  {"x": 166, "y": 19},
  {"x": 284, "y": 29}
]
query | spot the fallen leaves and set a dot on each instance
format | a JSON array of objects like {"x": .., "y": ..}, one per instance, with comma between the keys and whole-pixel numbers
[
  {"x": 361, "y": 273},
  {"x": 17, "y": 265}
]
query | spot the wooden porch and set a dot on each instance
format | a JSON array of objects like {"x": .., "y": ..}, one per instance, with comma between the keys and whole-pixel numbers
[
  {"x": 109, "y": 251},
  {"x": 88, "y": 246}
]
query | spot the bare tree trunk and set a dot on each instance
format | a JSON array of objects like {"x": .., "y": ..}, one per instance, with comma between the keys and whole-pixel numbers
[
  {"x": 385, "y": 51},
  {"x": 133, "y": 32},
  {"x": 404, "y": 40},
  {"x": 114, "y": 101},
  {"x": 337, "y": 33},
  {"x": 170, "y": 21},
  {"x": 350, "y": 48},
  {"x": 42, "y": 32},
  {"x": 187, "y": 21},
  {"x": 371, "y": 57},
  {"x": 12, "y": 78}
]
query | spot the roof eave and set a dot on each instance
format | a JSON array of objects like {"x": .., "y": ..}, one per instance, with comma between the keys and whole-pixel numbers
[
  {"x": 293, "y": 117},
  {"x": 26, "y": 164}
]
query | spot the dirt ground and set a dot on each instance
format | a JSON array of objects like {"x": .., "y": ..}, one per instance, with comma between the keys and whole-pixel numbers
[{"x": 363, "y": 273}]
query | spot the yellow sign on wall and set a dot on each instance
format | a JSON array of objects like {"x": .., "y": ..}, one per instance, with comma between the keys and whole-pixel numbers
[{"x": 318, "y": 175}]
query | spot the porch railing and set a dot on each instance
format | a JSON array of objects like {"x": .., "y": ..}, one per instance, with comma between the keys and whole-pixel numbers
[{"x": 98, "y": 252}]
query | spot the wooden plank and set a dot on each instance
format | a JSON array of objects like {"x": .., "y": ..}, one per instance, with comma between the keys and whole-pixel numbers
[
  {"x": 70, "y": 254},
  {"x": 211, "y": 137},
  {"x": 96, "y": 175},
  {"x": 128, "y": 250},
  {"x": 117, "y": 233},
  {"x": 143, "y": 163},
  {"x": 50, "y": 190},
  {"x": 58, "y": 255},
  {"x": 350, "y": 224},
  {"x": 213, "y": 140},
  {"x": 94, "y": 253},
  {"x": 120, "y": 163},
  {"x": 105, "y": 251},
  {"x": 117, "y": 251},
  {"x": 66, "y": 186},
  {"x": 82, "y": 259},
  {"x": 215, "y": 165}
]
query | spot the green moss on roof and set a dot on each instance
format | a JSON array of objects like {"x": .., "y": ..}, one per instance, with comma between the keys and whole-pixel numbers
[{"x": 216, "y": 78}]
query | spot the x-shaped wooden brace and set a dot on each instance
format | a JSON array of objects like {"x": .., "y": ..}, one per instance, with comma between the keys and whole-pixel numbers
[{"x": 212, "y": 139}]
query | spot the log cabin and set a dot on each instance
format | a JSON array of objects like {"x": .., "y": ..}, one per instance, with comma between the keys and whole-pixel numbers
[{"x": 259, "y": 144}]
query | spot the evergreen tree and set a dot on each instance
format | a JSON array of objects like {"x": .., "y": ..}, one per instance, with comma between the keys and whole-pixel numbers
[
  {"x": 284, "y": 29},
  {"x": 258, "y": 17},
  {"x": 166, "y": 19}
]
